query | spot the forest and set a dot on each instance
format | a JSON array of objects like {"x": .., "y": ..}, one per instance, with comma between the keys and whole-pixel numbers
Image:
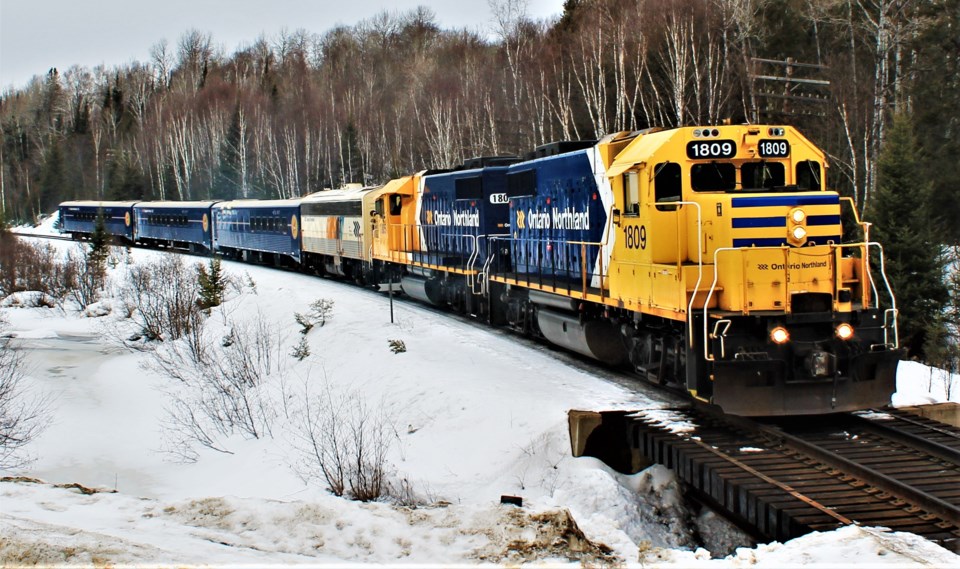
[{"x": 874, "y": 82}]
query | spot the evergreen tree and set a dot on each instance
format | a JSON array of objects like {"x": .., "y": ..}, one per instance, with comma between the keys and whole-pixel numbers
[
  {"x": 99, "y": 240},
  {"x": 95, "y": 272},
  {"x": 902, "y": 226},
  {"x": 50, "y": 111},
  {"x": 52, "y": 178},
  {"x": 212, "y": 284},
  {"x": 351, "y": 158},
  {"x": 125, "y": 180},
  {"x": 230, "y": 180},
  {"x": 936, "y": 92}
]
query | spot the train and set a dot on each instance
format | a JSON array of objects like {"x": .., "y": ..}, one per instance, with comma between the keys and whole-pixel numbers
[{"x": 711, "y": 259}]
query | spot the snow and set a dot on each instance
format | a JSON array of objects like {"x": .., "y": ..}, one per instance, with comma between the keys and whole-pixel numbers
[{"x": 476, "y": 415}]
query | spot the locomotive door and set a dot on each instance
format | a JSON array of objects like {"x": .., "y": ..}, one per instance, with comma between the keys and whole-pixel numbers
[
  {"x": 666, "y": 235},
  {"x": 394, "y": 234}
]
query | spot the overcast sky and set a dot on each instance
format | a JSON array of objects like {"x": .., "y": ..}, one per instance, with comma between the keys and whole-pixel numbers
[{"x": 36, "y": 35}]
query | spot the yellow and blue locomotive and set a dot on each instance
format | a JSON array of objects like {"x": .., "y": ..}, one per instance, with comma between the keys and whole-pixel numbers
[{"x": 708, "y": 259}]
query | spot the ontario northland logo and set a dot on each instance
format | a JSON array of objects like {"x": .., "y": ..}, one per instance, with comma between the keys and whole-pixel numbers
[
  {"x": 456, "y": 219},
  {"x": 566, "y": 218}
]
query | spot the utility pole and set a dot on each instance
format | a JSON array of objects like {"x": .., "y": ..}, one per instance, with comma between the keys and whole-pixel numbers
[{"x": 796, "y": 86}]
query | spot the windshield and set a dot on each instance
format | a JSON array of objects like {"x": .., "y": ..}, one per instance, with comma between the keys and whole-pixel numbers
[
  {"x": 762, "y": 175},
  {"x": 759, "y": 176}
]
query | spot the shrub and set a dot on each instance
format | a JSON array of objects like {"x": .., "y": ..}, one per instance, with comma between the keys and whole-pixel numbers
[
  {"x": 302, "y": 350},
  {"x": 304, "y": 321},
  {"x": 344, "y": 440},
  {"x": 163, "y": 295},
  {"x": 220, "y": 386},
  {"x": 397, "y": 346},
  {"x": 27, "y": 266},
  {"x": 84, "y": 277}
]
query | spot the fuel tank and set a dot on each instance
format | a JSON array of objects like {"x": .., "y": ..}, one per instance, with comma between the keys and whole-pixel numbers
[{"x": 597, "y": 339}]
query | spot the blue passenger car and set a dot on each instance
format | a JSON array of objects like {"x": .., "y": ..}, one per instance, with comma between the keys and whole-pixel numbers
[
  {"x": 460, "y": 212},
  {"x": 175, "y": 225},
  {"x": 264, "y": 231},
  {"x": 79, "y": 219},
  {"x": 558, "y": 215}
]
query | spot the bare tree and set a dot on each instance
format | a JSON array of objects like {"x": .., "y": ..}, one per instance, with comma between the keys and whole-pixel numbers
[
  {"x": 345, "y": 441},
  {"x": 23, "y": 415},
  {"x": 162, "y": 62}
]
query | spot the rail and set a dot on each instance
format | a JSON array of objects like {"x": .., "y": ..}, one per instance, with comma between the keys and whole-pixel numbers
[{"x": 782, "y": 481}]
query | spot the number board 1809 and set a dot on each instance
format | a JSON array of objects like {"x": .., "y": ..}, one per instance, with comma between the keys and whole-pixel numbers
[
  {"x": 711, "y": 149},
  {"x": 773, "y": 148}
]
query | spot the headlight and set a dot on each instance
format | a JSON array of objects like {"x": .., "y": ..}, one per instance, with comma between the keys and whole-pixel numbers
[
  {"x": 844, "y": 331},
  {"x": 779, "y": 335},
  {"x": 798, "y": 216},
  {"x": 799, "y": 233}
]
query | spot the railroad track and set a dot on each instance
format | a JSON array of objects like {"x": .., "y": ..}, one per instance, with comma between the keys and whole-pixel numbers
[
  {"x": 785, "y": 479},
  {"x": 43, "y": 236}
]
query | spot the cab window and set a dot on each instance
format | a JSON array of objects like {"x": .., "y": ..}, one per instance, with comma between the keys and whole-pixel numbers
[
  {"x": 631, "y": 193},
  {"x": 808, "y": 176},
  {"x": 395, "y": 203},
  {"x": 712, "y": 177},
  {"x": 762, "y": 175},
  {"x": 667, "y": 186}
]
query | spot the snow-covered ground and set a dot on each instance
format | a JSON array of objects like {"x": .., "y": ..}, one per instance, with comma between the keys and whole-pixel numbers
[{"x": 474, "y": 415}]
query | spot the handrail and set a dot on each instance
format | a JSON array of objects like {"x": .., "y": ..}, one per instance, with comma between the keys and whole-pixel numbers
[
  {"x": 491, "y": 253},
  {"x": 706, "y": 303},
  {"x": 893, "y": 300},
  {"x": 866, "y": 267},
  {"x": 890, "y": 324},
  {"x": 696, "y": 287}
]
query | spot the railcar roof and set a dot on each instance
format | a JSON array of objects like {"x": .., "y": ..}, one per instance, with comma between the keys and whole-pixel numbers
[
  {"x": 94, "y": 203},
  {"x": 173, "y": 204},
  {"x": 257, "y": 203},
  {"x": 339, "y": 194}
]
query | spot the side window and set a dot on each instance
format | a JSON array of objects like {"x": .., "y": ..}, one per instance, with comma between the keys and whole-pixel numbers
[
  {"x": 712, "y": 177},
  {"x": 468, "y": 188},
  {"x": 631, "y": 193},
  {"x": 522, "y": 183},
  {"x": 808, "y": 176},
  {"x": 667, "y": 186},
  {"x": 395, "y": 204}
]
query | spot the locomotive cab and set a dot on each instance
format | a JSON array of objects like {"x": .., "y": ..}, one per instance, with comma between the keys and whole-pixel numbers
[{"x": 730, "y": 234}]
